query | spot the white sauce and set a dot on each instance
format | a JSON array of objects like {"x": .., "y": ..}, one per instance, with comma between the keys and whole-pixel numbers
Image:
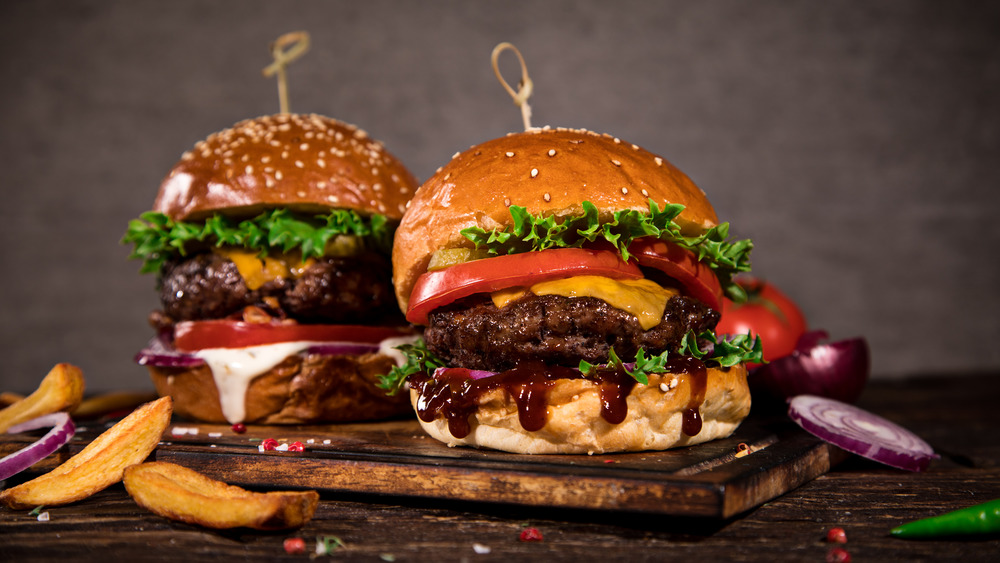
[
  {"x": 234, "y": 368},
  {"x": 388, "y": 347}
]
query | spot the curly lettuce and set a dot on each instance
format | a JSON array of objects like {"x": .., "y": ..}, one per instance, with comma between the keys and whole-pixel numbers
[
  {"x": 156, "y": 238},
  {"x": 530, "y": 233}
]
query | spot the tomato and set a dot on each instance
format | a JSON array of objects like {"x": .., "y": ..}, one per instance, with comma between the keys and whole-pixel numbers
[
  {"x": 196, "y": 335},
  {"x": 441, "y": 287},
  {"x": 696, "y": 277},
  {"x": 767, "y": 313}
]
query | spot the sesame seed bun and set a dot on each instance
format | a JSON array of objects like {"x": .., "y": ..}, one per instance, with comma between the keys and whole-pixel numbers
[
  {"x": 302, "y": 162},
  {"x": 547, "y": 171}
]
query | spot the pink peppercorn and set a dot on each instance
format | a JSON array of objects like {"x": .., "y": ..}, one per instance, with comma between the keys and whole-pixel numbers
[
  {"x": 838, "y": 555},
  {"x": 239, "y": 428},
  {"x": 531, "y": 534},
  {"x": 269, "y": 444},
  {"x": 295, "y": 545},
  {"x": 296, "y": 447}
]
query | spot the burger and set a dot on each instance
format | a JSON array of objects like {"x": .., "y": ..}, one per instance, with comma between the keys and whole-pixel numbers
[
  {"x": 271, "y": 243},
  {"x": 569, "y": 284}
]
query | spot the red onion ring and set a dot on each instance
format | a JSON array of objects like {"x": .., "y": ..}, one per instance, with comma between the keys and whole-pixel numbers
[
  {"x": 861, "y": 432},
  {"x": 61, "y": 432}
]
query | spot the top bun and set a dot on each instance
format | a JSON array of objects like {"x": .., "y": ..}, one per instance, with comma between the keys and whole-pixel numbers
[
  {"x": 303, "y": 162},
  {"x": 547, "y": 171}
]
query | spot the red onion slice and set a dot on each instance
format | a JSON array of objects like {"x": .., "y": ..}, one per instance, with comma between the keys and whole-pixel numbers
[
  {"x": 861, "y": 432},
  {"x": 160, "y": 354},
  {"x": 470, "y": 373},
  {"x": 61, "y": 432},
  {"x": 837, "y": 370},
  {"x": 342, "y": 348}
]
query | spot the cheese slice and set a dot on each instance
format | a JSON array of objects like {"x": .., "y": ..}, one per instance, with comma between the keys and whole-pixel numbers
[
  {"x": 257, "y": 271},
  {"x": 645, "y": 299}
]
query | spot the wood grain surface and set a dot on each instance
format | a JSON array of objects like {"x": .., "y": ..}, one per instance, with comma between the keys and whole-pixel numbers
[{"x": 866, "y": 499}]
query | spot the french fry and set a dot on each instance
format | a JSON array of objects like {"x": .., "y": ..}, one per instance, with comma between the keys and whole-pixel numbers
[
  {"x": 98, "y": 465},
  {"x": 179, "y": 493},
  {"x": 60, "y": 390}
]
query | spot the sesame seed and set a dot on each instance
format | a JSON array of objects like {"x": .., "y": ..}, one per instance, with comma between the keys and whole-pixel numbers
[
  {"x": 625, "y": 191},
  {"x": 299, "y": 164},
  {"x": 321, "y": 163},
  {"x": 534, "y": 172},
  {"x": 265, "y": 159},
  {"x": 618, "y": 141},
  {"x": 301, "y": 193},
  {"x": 269, "y": 182},
  {"x": 645, "y": 193},
  {"x": 616, "y": 162},
  {"x": 249, "y": 169},
  {"x": 278, "y": 175},
  {"x": 552, "y": 152},
  {"x": 377, "y": 187},
  {"x": 547, "y": 197},
  {"x": 635, "y": 147},
  {"x": 509, "y": 154},
  {"x": 659, "y": 161},
  {"x": 506, "y": 201},
  {"x": 304, "y": 147},
  {"x": 321, "y": 185}
]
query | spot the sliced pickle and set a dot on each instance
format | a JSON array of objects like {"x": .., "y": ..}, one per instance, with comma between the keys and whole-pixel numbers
[{"x": 450, "y": 256}]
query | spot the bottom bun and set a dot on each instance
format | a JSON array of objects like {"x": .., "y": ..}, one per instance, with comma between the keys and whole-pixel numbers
[
  {"x": 574, "y": 426},
  {"x": 303, "y": 388}
]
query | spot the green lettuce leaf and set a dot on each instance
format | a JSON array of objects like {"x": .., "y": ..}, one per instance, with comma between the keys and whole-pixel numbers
[
  {"x": 528, "y": 233},
  {"x": 418, "y": 360},
  {"x": 156, "y": 238}
]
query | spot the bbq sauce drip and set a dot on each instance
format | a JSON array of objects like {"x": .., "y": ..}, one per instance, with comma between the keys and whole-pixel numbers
[
  {"x": 698, "y": 382},
  {"x": 455, "y": 395}
]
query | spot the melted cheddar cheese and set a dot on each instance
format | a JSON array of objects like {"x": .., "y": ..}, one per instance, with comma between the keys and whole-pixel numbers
[
  {"x": 645, "y": 299},
  {"x": 256, "y": 271}
]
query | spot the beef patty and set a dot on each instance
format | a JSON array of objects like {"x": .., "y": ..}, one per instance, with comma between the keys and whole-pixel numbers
[
  {"x": 352, "y": 290},
  {"x": 475, "y": 334}
]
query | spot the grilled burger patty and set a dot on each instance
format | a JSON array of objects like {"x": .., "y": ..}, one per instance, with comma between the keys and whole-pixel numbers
[
  {"x": 354, "y": 290},
  {"x": 475, "y": 334}
]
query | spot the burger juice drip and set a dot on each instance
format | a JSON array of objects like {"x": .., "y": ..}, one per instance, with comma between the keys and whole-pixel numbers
[{"x": 454, "y": 394}]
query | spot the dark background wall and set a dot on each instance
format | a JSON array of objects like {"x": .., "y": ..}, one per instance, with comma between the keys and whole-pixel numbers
[{"x": 855, "y": 142}]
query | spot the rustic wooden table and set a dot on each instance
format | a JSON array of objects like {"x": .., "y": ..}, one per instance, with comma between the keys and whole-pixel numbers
[{"x": 957, "y": 415}]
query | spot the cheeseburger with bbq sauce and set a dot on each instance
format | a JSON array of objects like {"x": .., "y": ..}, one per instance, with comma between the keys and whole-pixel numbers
[
  {"x": 271, "y": 244},
  {"x": 569, "y": 283}
]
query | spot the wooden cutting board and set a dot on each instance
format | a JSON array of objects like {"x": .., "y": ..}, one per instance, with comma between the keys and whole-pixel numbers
[{"x": 396, "y": 458}]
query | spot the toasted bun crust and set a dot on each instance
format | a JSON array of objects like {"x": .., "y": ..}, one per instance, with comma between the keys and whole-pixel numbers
[
  {"x": 548, "y": 171},
  {"x": 304, "y": 162},
  {"x": 302, "y": 389},
  {"x": 575, "y": 426}
]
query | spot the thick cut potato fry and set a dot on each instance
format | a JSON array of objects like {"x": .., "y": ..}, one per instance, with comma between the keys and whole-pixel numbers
[
  {"x": 98, "y": 465},
  {"x": 179, "y": 493},
  {"x": 61, "y": 390}
]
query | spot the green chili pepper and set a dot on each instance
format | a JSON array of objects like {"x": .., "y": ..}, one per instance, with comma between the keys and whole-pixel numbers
[{"x": 979, "y": 519}]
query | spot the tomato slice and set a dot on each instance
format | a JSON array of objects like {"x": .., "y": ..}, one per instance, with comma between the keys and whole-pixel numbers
[
  {"x": 190, "y": 336},
  {"x": 441, "y": 287},
  {"x": 681, "y": 264}
]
